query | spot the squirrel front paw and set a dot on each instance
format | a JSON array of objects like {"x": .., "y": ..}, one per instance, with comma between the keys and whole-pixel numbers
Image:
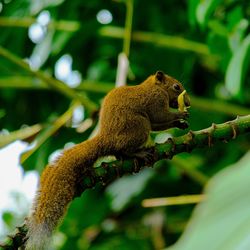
[{"x": 183, "y": 115}]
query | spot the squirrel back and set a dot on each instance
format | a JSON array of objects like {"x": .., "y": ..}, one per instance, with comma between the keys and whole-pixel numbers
[{"x": 128, "y": 114}]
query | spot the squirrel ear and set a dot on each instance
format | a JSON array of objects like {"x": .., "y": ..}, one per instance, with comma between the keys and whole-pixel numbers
[{"x": 160, "y": 76}]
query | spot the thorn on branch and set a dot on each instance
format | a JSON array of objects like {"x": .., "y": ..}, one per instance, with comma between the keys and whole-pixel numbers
[
  {"x": 234, "y": 130},
  {"x": 191, "y": 135},
  {"x": 189, "y": 138},
  {"x": 210, "y": 135}
]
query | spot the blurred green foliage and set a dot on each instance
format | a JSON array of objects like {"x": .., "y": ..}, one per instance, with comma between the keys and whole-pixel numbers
[
  {"x": 222, "y": 223},
  {"x": 204, "y": 44}
]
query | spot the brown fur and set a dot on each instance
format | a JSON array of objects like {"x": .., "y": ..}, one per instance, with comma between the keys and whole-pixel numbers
[{"x": 127, "y": 116}]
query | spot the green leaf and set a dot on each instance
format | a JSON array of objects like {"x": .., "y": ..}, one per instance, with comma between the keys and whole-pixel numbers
[
  {"x": 237, "y": 69},
  {"x": 204, "y": 10},
  {"x": 237, "y": 34},
  {"x": 48, "y": 132},
  {"x": 37, "y": 5},
  {"x": 192, "y": 5},
  {"x": 218, "y": 28},
  {"x": 125, "y": 189},
  {"x": 221, "y": 222},
  {"x": 8, "y": 218}
]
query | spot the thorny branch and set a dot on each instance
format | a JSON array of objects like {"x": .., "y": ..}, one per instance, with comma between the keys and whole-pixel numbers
[{"x": 107, "y": 172}]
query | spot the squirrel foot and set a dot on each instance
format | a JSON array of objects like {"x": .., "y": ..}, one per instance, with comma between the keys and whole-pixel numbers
[
  {"x": 183, "y": 115},
  {"x": 144, "y": 155}
]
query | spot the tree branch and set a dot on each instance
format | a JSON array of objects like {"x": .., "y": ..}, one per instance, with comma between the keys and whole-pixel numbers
[
  {"x": 224, "y": 132},
  {"x": 49, "y": 80},
  {"x": 107, "y": 172}
]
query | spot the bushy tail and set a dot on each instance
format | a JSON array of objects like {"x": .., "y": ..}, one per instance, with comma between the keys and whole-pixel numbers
[{"x": 57, "y": 189}]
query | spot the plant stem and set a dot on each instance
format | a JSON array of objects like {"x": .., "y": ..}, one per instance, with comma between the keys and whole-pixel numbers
[
  {"x": 26, "y": 22},
  {"x": 163, "y": 40},
  {"x": 47, "y": 133},
  {"x": 174, "y": 42},
  {"x": 20, "y": 134},
  {"x": 31, "y": 83},
  {"x": 171, "y": 201},
  {"x": 210, "y": 105},
  {"x": 128, "y": 27},
  {"x": 52, "y": 82}
]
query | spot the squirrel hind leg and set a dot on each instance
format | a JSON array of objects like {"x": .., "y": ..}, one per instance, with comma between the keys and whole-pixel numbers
[{"x": 146, "y": 156}]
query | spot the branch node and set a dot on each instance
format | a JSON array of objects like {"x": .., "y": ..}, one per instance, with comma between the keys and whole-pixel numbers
[
  {"x": 237, "y": 118},
  {"x": 191, "y": 134},
  {"x": 210, "y": 134},
  {"x": 214, "y": 126},
  {"x": 234, "y": 128},
  {"x": 210, "y": 139},
  {"x": 189, "y": 138}
]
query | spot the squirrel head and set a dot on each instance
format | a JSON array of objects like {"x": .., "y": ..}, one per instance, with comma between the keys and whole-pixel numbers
[{"x": 173, "y": 87}]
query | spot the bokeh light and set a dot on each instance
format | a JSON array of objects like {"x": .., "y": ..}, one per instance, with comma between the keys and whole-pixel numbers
[
  {"x": 36, "y": 33},
  {"x": 104, "y": 16}
]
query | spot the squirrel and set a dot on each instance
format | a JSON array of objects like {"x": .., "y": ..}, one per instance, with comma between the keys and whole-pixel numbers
[{"x": 127, "y": 116}]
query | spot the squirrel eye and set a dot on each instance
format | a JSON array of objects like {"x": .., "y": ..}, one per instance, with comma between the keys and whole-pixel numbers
[{"x": 177, "y": 87}]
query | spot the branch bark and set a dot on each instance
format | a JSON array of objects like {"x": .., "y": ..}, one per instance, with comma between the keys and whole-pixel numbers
[{"x": 107, "y": 172}]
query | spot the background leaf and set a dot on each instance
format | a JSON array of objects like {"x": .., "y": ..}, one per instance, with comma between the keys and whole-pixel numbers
[
  {"x": 237, "y": 70},
  {"x": 221, "y": 222},
  {"x": 204, "y": 10},
  {"x": 36, "y": 6},
  {"x": 125, "y": 189}
]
